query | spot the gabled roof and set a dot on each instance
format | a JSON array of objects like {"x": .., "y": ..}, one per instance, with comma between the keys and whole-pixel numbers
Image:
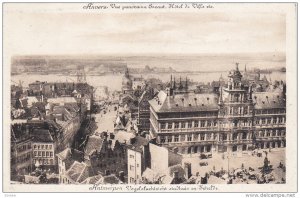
[
  {"x": 78, "y": 172},
  {"x": 187, "y": 102},
  {"x": 69, "y": 156}
]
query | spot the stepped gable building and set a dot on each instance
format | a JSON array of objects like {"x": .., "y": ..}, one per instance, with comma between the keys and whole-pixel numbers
[{"x": 232, "y": 120}]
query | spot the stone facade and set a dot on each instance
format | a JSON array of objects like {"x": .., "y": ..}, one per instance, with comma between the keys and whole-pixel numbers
[{"x": 232, "y": 120}]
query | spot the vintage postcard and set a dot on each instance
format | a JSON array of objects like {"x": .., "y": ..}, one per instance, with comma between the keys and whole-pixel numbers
[{"x": 150, "y": 97}]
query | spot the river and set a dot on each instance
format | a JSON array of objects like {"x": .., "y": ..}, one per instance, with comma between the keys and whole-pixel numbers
[{"x": 114, "y": 82}]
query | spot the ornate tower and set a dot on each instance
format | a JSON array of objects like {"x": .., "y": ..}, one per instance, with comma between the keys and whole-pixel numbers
[{"x": 236, "y": 114}]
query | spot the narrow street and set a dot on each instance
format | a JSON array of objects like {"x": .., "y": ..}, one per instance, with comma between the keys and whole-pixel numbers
[{"x": 105, "y": 121}]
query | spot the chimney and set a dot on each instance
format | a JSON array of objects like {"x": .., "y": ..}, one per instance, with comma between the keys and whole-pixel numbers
[
  {"x": 122, "y": 176},
  {"x": 188, "y": 170}
]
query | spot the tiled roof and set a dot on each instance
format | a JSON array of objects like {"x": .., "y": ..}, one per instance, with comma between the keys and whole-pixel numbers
[
  {"x": 94, "y": 143},
  {"x": 184, "y": 102},
  {"x": 268, "y": 100},
  {"x": 137, "y": 143},
  {"x": 78, "y": 172},
  {"x": 92, "y": 180},
  {"x": 69, "y": 156},
  {"x": 41, "y": 135}
]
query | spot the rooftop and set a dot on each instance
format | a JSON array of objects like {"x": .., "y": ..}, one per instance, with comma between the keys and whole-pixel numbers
[
  {"x": 41, "y": 135},
  {"x": 78, "y": 172},
  {"x": 94, "y": 143},
  {"x": 62, "y": 100},
  {"x": 187, "y": 102},
  {"x": 268, "y": 100}
]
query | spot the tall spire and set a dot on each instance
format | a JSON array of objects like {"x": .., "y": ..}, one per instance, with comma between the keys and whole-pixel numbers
[
  {"x": 171, "y": 82},
  {"x": 245, "y": 68}
]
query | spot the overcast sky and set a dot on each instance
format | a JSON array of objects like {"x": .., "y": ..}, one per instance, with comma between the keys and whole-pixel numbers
[{"x": 42, "y": 32}]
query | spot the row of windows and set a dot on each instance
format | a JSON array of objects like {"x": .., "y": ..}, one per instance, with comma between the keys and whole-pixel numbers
[
  {"x": 270, "y": 111},
  {"x": 197, "y": 149},
  {"x": 269, "y": 133},
  {"x": 43, "y": 146},
  {"x": 235, "y": 136},
  {"x": 189, "y": 137},
  {"x": 197, "y": 124},
  {"x": 24, "y": 147},
  {"x": 276, "y": 120},
  {"x": 44, "y": 161},
  {"x": 190, "y": 124},
  {"x": 42, "y": 154}
]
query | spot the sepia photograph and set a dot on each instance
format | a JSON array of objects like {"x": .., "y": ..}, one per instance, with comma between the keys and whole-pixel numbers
[{"x": 149, "y": 97}]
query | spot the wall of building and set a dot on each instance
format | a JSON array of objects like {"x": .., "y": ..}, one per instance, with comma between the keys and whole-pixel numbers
[
  {"x": 159, "y": 158},
  {"x": 43, "y": 153},
  {"x": 134, "y": 166}
]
